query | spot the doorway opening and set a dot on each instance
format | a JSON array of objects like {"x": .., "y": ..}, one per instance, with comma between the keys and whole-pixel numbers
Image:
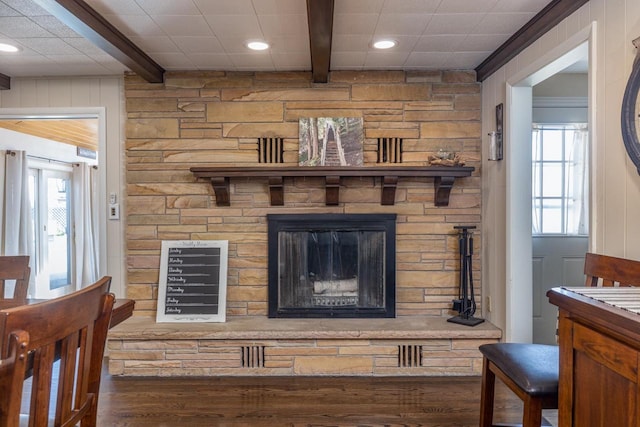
[
  {"x": 560, "y": 190},
  {"x": 521, "y": 302},
  {"x": 57, "y": 143}
]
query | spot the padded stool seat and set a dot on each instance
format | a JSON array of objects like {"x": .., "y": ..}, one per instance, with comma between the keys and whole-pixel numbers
[
  {"x": 533, "y": 367},
  {"x": 531, "y": 371}
]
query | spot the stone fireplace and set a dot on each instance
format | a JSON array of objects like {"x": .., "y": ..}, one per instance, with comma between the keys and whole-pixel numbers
[
  {"x": 331, "y": 265},
  {"x": 217, "y": 119}
]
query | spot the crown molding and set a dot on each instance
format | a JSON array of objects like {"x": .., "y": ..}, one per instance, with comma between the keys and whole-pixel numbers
[{"x": 546, "y": 19}]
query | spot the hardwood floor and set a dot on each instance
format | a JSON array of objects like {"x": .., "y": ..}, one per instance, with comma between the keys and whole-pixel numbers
[{"x": 299, "y": 401}]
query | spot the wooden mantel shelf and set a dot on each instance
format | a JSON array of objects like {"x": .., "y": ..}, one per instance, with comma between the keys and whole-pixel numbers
[{"x": 444, "y": 176}]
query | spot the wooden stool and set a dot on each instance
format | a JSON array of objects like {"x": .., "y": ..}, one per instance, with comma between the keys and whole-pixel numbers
[{"x": 529, "y": 370}]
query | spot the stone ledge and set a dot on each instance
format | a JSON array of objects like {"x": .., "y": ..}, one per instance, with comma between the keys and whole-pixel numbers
[
  {"x": 259, "y": 327},
  {"x": 289, "y": 347}
]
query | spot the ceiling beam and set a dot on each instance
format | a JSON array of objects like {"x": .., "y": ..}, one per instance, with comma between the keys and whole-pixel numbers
[
  {"x": 547, "y": 18},
  {"x": 84, "y": 20},
  {"x": 5, "y": 82},
  {"x": 320, "y": 17}
]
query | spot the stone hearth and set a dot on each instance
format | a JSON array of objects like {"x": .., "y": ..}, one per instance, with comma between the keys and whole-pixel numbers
[{"x": 287, "y": 347}]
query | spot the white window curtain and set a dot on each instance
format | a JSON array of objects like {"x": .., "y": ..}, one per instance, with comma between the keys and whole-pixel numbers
[
  {"x": 579, "y": 182},
  {"x": 536, "y": 227},
  {"x": 17, "y": 232},
  {"x": 85, "y": 220},
  {"x": 576, "y": 182}
]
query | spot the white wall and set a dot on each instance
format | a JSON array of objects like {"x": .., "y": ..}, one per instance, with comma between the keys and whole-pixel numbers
[
  {"x": 563, "y": 85},
  {"x": 90, "y": 92},
  {"x": 562, "y": 98},
  {"x": 615, "y": 181}
]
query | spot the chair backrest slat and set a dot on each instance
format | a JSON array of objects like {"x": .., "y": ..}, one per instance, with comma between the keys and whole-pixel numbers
[
  {"x": 608, "y": 271},
  {"x": 43, "y": 359},
  {"x": 69, "y": 330},
  {"x": 12, "y": 372},
  {"x": 15, "y": 268}
]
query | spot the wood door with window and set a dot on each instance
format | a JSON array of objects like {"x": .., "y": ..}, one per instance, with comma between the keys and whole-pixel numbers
[
  {"x": 559, "y": 217},
  {"x": 557, "y": 261},
  {"x": 50, "y": 193}
]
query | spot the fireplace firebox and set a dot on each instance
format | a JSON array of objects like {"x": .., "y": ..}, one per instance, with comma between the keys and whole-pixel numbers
[{"x": 332, "y": 265}]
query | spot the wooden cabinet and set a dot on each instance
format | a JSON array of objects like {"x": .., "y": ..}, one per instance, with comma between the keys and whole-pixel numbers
[{"x": 599, "y": 351}]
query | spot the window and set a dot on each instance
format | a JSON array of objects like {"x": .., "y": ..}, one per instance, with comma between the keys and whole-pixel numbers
[
  {"x": 50, "y": 197},
  {"x": 560, "y": 180}
]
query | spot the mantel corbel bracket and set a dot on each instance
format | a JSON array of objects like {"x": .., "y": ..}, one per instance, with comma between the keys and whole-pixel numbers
[
  {"x": 442, "y": 186},
  {"x": 388, "y": 192},
  {"x": 220, "y": 186},
  {"x": 332, "y": 190},
  {"x": 276, "y": 190}
]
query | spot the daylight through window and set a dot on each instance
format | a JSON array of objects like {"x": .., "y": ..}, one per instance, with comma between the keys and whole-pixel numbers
[{"x": 560, "y": 179}]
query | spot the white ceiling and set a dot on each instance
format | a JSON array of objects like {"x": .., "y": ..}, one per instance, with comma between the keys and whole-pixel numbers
[{"x": 210, "y": 34}]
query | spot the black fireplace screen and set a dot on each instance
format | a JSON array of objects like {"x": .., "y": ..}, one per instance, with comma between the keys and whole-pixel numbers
[{"x": 332, "y": 265}]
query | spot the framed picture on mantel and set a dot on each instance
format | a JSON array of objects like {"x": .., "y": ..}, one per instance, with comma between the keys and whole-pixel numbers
[
  {"x": 193, "y": 281},
  {"x": 331, "y": 141}
]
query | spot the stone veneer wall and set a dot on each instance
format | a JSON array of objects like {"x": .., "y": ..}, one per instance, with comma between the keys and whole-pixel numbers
[{"x": 215, "y": 118}]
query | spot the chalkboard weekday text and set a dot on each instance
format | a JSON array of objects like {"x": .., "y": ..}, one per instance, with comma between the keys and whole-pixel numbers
[{"x": 193, "y": 281}]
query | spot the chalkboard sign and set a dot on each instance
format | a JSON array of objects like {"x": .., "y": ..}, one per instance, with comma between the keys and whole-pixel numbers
[{"x": 193, "y": 281}]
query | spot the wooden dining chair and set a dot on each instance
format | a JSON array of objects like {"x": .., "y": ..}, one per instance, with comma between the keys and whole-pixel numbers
[
  {"x": 12, "y": 373},
  {"x": 70, "y": 331},
  {"x": 15, "y": 268},
  {"x": 531, "y": 371}
]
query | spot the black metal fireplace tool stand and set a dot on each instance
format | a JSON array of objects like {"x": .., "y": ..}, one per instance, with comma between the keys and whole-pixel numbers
[{"x": 465, "y": 305}]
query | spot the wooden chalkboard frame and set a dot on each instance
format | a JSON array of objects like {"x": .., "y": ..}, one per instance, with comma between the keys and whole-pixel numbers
[{"x": 172, "y": 255}]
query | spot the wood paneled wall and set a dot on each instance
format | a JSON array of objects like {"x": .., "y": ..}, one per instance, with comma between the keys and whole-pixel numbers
[{"x": 615, "y": 183}]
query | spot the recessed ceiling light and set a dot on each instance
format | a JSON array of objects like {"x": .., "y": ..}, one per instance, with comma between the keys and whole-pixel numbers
[
  {"x": 257, "y": 45},
  {"x": 385, "y": 44},
  {"x": 8, "y": 48}
]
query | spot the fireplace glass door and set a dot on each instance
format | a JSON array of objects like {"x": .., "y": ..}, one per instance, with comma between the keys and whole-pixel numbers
[{"x": 332, "y": 266}]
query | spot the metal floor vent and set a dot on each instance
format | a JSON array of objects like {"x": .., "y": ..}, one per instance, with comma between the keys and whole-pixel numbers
[
  {"x": 409, "y": 356},
  {"x": 390, "y": 150},
  {"x": 270, "y": 150},
  {"x": 253, "y": 356}
]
